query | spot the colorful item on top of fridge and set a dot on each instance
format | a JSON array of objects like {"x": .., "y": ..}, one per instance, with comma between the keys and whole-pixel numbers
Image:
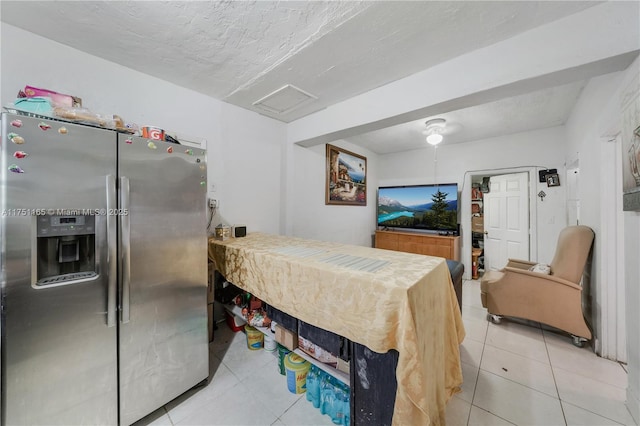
[
  {"x": 154, "y": 133},
  {"x": 84, "y": 115},
  {"x": 20, "y": 154},
  {"x": 81, "y": 115},
  {"x": 48, "y": 103},
  {"x": 57, "y": 98},
  {"x": 132, "y": 128},
  {"x": 36, "y": 105}
]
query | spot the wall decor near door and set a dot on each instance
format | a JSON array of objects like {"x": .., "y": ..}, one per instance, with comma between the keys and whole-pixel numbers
[
  {"x": 346, "y": 181},
  {"x": 553, "y": 179},
  {"x": 631, "y": 146}
]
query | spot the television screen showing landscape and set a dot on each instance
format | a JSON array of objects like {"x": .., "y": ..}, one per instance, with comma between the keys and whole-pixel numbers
[{"x": 428, "y": 207}]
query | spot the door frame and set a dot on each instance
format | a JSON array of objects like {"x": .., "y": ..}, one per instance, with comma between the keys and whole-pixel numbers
[
  {"x": 465, "y": 211},
  {"x": 610, "y": 340}
]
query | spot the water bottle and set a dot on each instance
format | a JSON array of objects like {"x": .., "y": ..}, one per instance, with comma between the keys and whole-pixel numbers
[
  {"x": 346, "y": 420},
  {"x": 310, "y": 381},
  {"x": 328, "y": 396},
  {"x": 338, "y": 415},
  {"x": 313, "y": 386}
]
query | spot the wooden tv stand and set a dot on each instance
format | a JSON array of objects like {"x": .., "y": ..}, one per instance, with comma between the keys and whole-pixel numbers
[{"x": 429, "y": 244}]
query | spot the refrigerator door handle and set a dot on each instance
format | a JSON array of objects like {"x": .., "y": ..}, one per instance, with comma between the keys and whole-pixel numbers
[
  {"x": 112, "y": 261},
  {"x": 125, "y": 226}
]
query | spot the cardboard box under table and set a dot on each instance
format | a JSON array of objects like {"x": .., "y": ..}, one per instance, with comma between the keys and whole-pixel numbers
[
  {"x": 380, "y": 299},
  {"x": 286, "y": 338}
]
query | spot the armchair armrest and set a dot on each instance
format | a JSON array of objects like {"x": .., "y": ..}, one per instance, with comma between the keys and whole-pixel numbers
[
  {"x": 539, "y": 276},
  {"x": 520, "y": 264}
]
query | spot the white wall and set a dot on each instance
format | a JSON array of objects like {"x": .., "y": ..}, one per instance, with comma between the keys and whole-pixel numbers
[
  {"x": 595, "y": 119},
  {"x": 311, "y": 218},
  {"x": 243, "y": 148},
  {"x": 535, "y": 149},
  {"x": 248, "y": 168},
  {"x": 589, "y": 122}
]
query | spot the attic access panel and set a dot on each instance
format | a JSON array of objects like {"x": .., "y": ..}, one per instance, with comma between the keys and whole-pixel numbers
[{"x": 284, "y": 100}]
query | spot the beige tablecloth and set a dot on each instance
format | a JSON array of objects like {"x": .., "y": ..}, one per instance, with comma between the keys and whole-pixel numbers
[{"x": 379, "y": 298}]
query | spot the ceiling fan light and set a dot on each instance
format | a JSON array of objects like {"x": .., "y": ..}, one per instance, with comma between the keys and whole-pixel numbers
[
  {"x": 434, "y": 138},
  {"x": 434, "y": 129}
]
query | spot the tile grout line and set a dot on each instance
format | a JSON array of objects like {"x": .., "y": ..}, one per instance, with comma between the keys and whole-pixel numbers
[
  {"x": 529, "y": 359},
  {"x": 476, "y": 386},
  {"x": 588, "y": 378},
  {"x": 594, "y": 413},
  {"x": 575, "y": 405},
  {"x": 555, "y": 383},
  {"x": 473, "y": 396},
  {"x": 480, "y": 369},
  {"x": 516, "y": 353},
  {"x": 168, "y": 416},
  {"x": 546, "y": 394},
  {"x": 585, "y": 376},
  {"x": 493, "y": 414}
]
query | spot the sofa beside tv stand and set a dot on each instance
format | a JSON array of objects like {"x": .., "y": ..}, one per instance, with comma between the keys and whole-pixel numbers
[{"x": 446, "y": 246}]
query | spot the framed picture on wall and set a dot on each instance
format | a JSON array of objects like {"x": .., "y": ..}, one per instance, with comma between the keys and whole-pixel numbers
[
  {"x": 631, "y": 170},
  {"x": 553, "y": 179},
  {"x": 346, "y": 181}
]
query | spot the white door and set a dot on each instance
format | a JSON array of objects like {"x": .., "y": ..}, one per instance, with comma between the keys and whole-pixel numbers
[
  {"x": 506, "y": 221},
  {"x": 573, "y": 193}
]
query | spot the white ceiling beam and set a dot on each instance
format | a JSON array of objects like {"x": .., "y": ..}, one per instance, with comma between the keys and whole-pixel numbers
[{"x": 591, "y": 42}]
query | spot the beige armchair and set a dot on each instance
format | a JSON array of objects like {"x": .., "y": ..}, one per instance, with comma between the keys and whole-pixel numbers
[{"x": 554, "y": 299}]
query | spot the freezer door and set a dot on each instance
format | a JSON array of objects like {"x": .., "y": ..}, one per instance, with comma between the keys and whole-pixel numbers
[
  {"x": 163, "y": 331},
  {"x": 59, "y": 355}
]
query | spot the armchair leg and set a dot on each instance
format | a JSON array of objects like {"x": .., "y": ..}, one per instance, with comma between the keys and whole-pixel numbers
[
  {"x": 579, "y": 341},
  {"x": 496, "y": 319}
]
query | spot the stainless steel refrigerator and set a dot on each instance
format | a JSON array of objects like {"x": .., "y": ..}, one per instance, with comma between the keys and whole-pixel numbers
[{"x": 103, "y": 273}]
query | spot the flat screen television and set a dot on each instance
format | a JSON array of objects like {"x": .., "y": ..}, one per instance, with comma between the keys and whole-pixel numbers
[{"x": 420, "y": 207}]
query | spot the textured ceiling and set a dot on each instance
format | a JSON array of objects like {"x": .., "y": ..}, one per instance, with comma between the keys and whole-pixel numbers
[
  {"x": 536, "y": 110},
  {"x": 242, "y": 51},
  {"x": 216, "y": 48}
]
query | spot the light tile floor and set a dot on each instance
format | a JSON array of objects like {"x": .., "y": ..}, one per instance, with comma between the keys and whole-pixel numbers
[{"x": 514, "y": 374}]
